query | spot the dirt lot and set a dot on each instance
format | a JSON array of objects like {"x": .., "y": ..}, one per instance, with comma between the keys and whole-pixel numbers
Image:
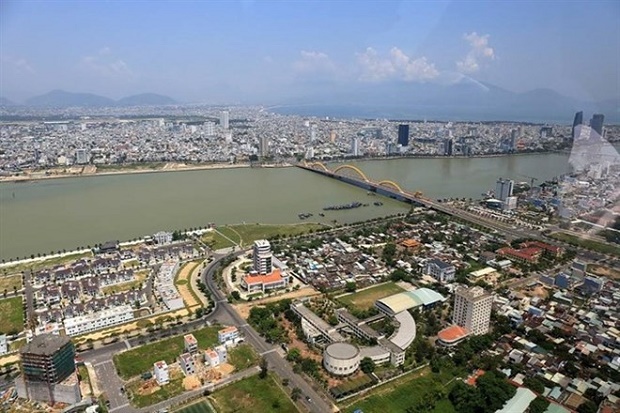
[
  {"x": 184, "y": 286},
  {"x": 604, "y": 271},
  {"x": 244, "y": 308}
]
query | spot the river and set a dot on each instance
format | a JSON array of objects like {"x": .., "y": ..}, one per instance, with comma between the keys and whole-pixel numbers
[{"x": 56, "y": 214}]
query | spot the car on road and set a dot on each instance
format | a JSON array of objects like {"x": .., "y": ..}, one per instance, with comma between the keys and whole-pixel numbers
[{"x": 308, "y": 399}]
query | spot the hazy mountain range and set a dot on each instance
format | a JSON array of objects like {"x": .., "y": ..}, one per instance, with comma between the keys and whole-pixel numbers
[
  {"x": 466, "y": 99},
  {"x": 61, "y": 98}
]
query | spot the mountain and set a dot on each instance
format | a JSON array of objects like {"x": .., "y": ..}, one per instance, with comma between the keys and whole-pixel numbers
[
  {"x": 60, "y": 98},
  {"x": 146, "y": 99},
  {"x": 6, "y": 102},
  {"x": 463, "y": 99}
]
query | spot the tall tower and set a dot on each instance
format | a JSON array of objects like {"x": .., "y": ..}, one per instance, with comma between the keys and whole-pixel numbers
[
  {"x": 312, "y": 132},
  {"x": 472, "y": 309},
  {"x": 224, "y": 119},
  {"x": 577, "y": 122},
  {"x": 263, "y": 147},
  {"x": 504, "y": 188},
  {"x": 355, "y": 146},
  {"x": 448, "y": 146},
  {"x": 45, "y": 363},
  {"x": 403, "y": 135},
  {"x": 262, "y": 256},
  {"x": 596, "y": 123},
  {"x": 514, "y": 135}
]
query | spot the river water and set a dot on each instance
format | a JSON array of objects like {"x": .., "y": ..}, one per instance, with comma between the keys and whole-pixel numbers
[{"x": 56, "y": 214}]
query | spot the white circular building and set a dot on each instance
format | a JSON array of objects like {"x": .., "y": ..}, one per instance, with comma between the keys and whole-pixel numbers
[{"x": 341, "y": 359}]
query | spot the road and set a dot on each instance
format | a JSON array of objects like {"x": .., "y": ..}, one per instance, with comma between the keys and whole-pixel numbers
[{"x": 319, "y": 403}]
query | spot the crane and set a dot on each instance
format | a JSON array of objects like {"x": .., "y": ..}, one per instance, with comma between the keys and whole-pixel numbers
[{"x": 532, "y": 179}]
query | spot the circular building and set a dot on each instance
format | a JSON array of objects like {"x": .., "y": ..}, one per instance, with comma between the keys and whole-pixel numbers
[{"x": 341, "y": 359}]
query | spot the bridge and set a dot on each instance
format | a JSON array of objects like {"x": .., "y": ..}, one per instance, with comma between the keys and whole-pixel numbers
[{"x": 351, "y": 174}]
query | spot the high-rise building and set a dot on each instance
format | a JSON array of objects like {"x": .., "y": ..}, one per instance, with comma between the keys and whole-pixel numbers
[
  {"x": 596, "y": 123},
  {"x": 472, "y": 309},
  {"x": 514, "y": 135},
  {"x": 448, "y": 147},
  {"x": 81, "y": 156},
  {"x": 355, "y": 146},
  {"x": 209, "y": 128},
  {"x": 332, "y": 136},
  {"x": 48, "y": 370},
  {"x": 262, "y": 256},
  {"x": 578, "y": 121},
  {"x": 224, "y": 119},
  {"x": 403, "y": 135},
  {"x": 504, "y": 188},
  {"x": 263, "y": 147},
  {"x": 313, "y": 132}
]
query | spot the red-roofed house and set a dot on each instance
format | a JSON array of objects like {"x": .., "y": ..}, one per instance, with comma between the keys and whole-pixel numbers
[{"x": 254, "y": 282}]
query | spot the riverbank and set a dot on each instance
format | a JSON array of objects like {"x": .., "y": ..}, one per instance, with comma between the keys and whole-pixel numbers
[{"x": 92, "y": 170}]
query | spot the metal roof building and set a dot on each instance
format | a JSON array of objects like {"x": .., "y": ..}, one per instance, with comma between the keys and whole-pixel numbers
[{"x": 422, "y": 297}]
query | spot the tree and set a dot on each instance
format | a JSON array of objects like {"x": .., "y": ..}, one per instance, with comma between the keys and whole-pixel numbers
[
  {"x": 235, "y": 295},
  {"x": 587, "y": 407},
  {"x": 350, "y": 287},
  {"x": 367, "y": 365},
  {"x": 295, "y": 393},
  {"x": 264, "y": 365},
  {"x": 538, "y": 405},
  {"x": 389, "y": 250},
  {"x": 294, "y": 355}
]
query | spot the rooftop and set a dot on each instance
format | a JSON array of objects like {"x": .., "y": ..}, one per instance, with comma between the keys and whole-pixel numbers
[
  {"x": 452, "y": 334},
  {"x": 272, "y": 277},
  {"x": 342, "y": 350},
  {"x": 45, "y": 344}
]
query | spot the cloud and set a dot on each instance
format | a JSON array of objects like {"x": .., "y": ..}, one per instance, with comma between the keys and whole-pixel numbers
[
  {"x": 314, "y": 62},
  {"x": 479, "y": 52},
  {"x": 17, "y": 64},
  {"x": 395, "y": 66},
  {"x": 105, "y": 64}
]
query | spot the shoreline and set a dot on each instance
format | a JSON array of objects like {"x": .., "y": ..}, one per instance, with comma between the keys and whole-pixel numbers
[
  {"x": 129, "y": 171},
  {"x": 179, "y": 167}
]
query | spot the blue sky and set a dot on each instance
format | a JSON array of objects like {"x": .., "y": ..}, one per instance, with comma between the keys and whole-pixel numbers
[{"x": 228, "y": 51}]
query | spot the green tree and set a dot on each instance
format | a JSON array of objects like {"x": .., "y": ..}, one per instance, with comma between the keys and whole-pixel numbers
[
  {"x": 294, "y": 355},
  {"x": 538, "y": 405},
  {"x": 295, "y": 393},
  {"x": 587, "y": 407},
  {"x": 367, "y": 365},
  {"x": 350, "y": 287},
  {"x": 264, "y": 366}
]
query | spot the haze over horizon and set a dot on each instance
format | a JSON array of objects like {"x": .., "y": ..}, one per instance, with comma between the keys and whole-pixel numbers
[{"x": 248, "y": 52}]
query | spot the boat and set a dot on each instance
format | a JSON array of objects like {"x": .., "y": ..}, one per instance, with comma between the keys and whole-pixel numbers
[
  {"x": 351, "y": 205},
  {"x": 378, "y": 203},
  {"x": 304, "y": 215}
]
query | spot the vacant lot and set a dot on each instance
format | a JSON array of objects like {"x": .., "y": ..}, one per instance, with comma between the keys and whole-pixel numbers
[
  {"x": 242, "y": 357},
  {"x": 50, "y": 262},
  {"x": 604, "y": 271},
  {"x": 10, "y": 283},
  {"x": 139, "y": 360},
  {"x": 166, "y": 392},
  {"x": 200, "y": 407},
  {"x": 365, "y": 299},
  {"x": 399, "y": 395},
  {"x": 253, "y": 395},
  {"x": 215, "y": 240},
  {"x": 588, "y": 244},
  {"x": 248, "y": 233},
  {"x": 12, "y": 319}
]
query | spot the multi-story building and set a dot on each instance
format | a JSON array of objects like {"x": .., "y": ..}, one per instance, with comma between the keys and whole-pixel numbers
[
  {"x": 439, "y": 270},
  {"x": 3, "y": 346},
  {"x": 355, "y": 146},
  {"x": 162, "y": 375},
  {"x": 227, "y": 334},
  {"x": 101, "y": 319},
  {"x": 224, "y": 119},
  {"x": 187, "y": 363},
  {"x": 472, "y": 309},
  {"x": 504, "y": 189},
  {"x": 163, "y": 237},
  {"x": 403, "y": 135},
  {"x": 191, "y": 344},
  {"x": 274, "y": 280},
  {"x": 596, "y": 123},
  {"x": 262, "y": 256},
  {"x": 212, "y": 358},
  {"x": 48, "y": 370}
]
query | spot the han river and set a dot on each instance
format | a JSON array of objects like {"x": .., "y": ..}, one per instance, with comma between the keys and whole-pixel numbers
[{"x": 56, "y": 214}]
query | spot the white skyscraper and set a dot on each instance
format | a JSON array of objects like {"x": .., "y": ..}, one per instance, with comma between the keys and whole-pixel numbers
[
  {"x": 224, "y": 119},
  {"x": 472, "y": 309},
  {"x": 262, "y": 256},
  {"x": 355, "y": 146},
  {"x": 312, "y": 132},
  {"x": 81, "y": 156},
  {"x": 504, "y": 188}
]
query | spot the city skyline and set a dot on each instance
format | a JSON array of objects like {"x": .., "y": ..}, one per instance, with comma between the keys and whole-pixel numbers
[{"x": 263, "y": 51}]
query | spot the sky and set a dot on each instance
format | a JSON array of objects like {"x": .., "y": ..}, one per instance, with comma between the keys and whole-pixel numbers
[{"x": 252, "y": 51}]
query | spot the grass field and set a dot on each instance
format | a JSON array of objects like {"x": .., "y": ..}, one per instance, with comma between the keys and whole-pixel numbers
[
  {"x": 588, "y": 244},
  {"x": 10, "y": 282},
  {"x": 365, "y": 299},
  {"x": 12, "y": 320},
  {"x": 402, "y": 393},
  {"x": 215, "y": 241},
  {"x": 242, "y": 357},
  {"x": 253, "y": 395},
  {"x": 251, "y": 232},
  {"x": 140, "y": 359},
  {"x": 200, "y": 407}
]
